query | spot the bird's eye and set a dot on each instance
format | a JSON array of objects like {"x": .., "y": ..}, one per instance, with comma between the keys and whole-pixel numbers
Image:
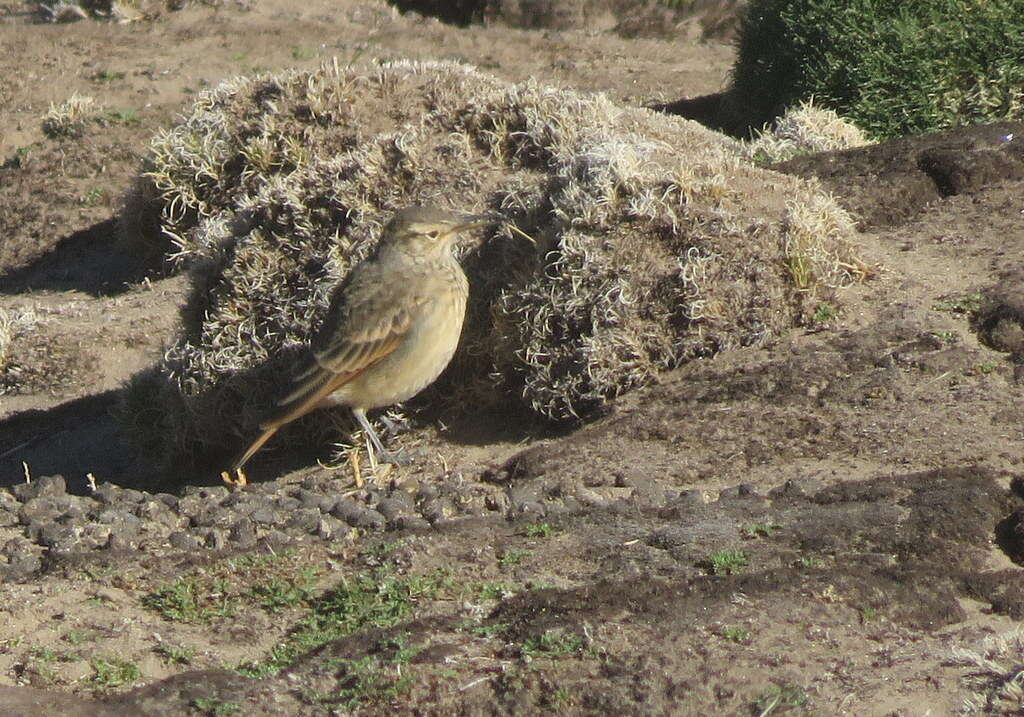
[{"x": 434, "y": 233}]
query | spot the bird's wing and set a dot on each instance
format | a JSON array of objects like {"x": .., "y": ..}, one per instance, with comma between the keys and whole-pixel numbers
[{"x": 349, "y": 342}]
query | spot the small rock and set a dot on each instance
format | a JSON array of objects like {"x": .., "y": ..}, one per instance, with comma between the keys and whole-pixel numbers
[
  {"x": 529, "y": 510},
  {"x": 275, "y": 540},
  {"x": 16, "y": 547},
  {"x": 107, "y": 493},
  {"x": 392, "y": 508},
  {"x": 171, "y": 501},
  {"x": 309, "y": 499},
  {"x": 22, "y": 568},
  {"x": 41, "y": 486},
  {"x": 330, "y": 528},
  {"x": 39, "y": 510},
  {"x": 9, "y": 502},
  {"x": 181, "y": 540},
  {"x": 208, "y": 494},
  {"x": 265, "y": 516},
  {"x": 212, "y": 538},
  {"x": 411, "y": 522},
  {"x": 243, "y": 533},
  {"x": 8, "y": 518},
  {"x": 304, "y": 519},
  {"x": 285, "y": 502},
  {"x": 426, "y": 492},
  {"x": 61, "y": 538},
  {"x": 369, "y": 518},
  {"x": 212, "y": 516},
  {"x": 346, "y": 509}
]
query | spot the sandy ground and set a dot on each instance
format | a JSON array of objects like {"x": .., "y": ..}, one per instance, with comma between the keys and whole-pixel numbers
[{"x": 815, "y": 527}]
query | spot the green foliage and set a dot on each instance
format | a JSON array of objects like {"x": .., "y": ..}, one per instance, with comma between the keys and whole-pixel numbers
[
  {"x": 726, "y": 562},
  {"x": 113, "y": 672},
  {"x": 553, "y": 642},
  {"x": 512, "y": 556},
  {"x": 892, "y": 67},
  {"x": 960, "y": 303},
  {"x": 213, "y": 706},
  {"x": 376, "y": 598},
  {"x": 189, "y": 599},
  {"x": 538, "y": 530},
  {"x": 780, "y": 698}
]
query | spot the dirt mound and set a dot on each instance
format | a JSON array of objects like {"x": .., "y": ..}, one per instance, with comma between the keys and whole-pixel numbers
[
  {"x": 887, "y": 184},
  {"x": 275, "y": 185}
]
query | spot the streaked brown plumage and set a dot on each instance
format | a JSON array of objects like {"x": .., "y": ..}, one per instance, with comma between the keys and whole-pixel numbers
[{"x": 391, "y": 328}]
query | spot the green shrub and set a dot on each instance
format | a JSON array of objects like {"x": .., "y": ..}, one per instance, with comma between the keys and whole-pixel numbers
[{"x": 892, "y": 67}]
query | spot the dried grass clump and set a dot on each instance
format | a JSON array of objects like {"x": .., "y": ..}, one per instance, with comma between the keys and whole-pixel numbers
[
  {"x": 13, "y": 324},
  {"x": 803, "y": 129},
  {"x": 656, "y": 241},
  {"x": 996, "y": 677},
  {"x": 6, "y": 338},
  {"x": 69, "y": 118}
]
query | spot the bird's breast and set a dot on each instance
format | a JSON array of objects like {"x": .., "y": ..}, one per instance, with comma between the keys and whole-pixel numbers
[{"x": 421, "y": 356}]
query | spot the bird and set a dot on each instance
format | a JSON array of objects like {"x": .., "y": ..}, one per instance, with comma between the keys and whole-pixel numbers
[{"x": 391, "y": 327}]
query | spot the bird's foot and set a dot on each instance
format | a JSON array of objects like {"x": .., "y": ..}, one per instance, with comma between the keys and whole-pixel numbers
[{"x": 237, "y": 480}]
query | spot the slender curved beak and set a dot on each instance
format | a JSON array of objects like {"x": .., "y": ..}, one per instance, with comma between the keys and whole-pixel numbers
[{"x": 473, "y": 221}]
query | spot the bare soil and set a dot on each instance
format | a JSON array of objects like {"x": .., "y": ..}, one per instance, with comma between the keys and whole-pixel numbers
[{"x": 807, "y": 528}]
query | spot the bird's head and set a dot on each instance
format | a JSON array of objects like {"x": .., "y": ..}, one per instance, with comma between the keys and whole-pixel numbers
[{"x": 424, "y": 231}]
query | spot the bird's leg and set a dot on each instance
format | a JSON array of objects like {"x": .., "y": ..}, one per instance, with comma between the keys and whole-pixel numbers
[{"x": 372, "y": 440}]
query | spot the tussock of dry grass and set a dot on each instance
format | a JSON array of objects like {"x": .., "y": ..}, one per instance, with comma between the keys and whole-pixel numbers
[
  {"x": 6, "y": 338},
  {"x": 805, "y": 128},
  {"x": 13, "y": 324},
  {"x": 69, "y": 118},
  {"x": 996, "y": 676},
  {"x": 656, "y": 240}
]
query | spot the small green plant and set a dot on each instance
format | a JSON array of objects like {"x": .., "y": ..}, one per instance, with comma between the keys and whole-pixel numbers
[
  {"x": 946, "y": 337},
  {"x": 189, "y": 599},
  {"x": 17, "y": 160},
  {"x": 378, "y": 678},
  {"x": 726, "y": 562},
  {"x": 77, "y": 637},
  {"x": 512, "y": 556},
  {"x": 93, "y": 196},
  {"x": 735, "y": 634},
  {"x": 301, "y": 53},
  {"x": 113, "y": 672},
  {"x": 45, "y": 654},
  {"x": 280, "y": 593},
  {"x": 800, "y": 270},
  {"x": 808, "y": 562},
  {"x": 375, "y": 598},
  {"x": 779, "y": 698},
  {"x": 175, "y": 654},
  {"x": 212, "y": 706},
  {"x": 494, "y": 591},
  {"x": 106, "y": 75},
  {"x": 983, "y": 368},
  {"x": 553, "y": 642},
  {"x": 824, "y": 313},
  {"x": 495, "y": 628},
  {"x": 867, "y": 614},
  {"x": 125, "y": 117},
  {"x": 538, "y": 530},
  {"x": 762, "y": 529},
  {"x": 960, "y": 303}
]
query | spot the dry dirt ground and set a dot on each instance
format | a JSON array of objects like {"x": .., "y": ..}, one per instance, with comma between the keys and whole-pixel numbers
[{"x": 818, "y": 527}]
